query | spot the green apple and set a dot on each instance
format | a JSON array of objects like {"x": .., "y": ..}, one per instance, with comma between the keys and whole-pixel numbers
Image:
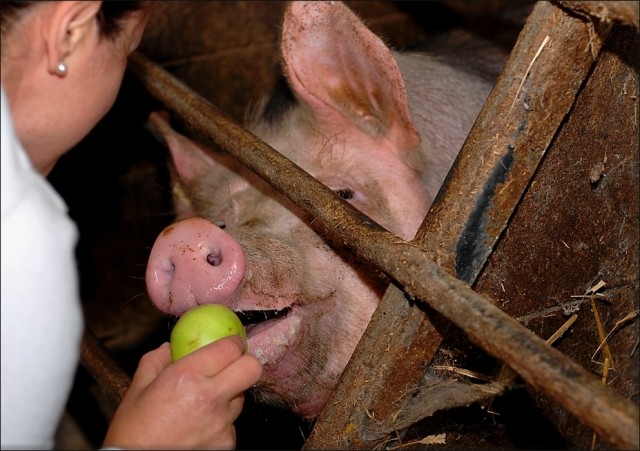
[{"x": 202, "y": 325}]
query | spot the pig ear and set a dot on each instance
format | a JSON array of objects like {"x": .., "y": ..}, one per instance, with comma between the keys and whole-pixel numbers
[
  {"x": 342, "y": 70},
  {"x": 188, "y": 160}
]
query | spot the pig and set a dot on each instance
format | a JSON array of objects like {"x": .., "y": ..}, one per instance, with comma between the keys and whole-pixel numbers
[{"x": 378, "y": 127}]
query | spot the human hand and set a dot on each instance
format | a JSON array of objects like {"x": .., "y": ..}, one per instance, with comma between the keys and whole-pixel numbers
[{"x": 191, "y": 403}]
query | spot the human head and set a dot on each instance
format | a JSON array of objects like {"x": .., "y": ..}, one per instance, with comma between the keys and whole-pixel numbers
[{"x": 53, "y": 111}]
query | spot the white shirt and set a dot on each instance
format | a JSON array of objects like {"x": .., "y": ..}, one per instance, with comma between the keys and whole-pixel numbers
[{"x": 41, "y": 311}]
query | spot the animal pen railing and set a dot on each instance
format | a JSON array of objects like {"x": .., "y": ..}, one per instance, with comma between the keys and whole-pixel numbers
[{"x": 553, "y": 59}]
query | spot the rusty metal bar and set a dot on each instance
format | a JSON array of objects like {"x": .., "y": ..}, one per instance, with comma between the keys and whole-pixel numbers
[
  {"x": 499, "y": 334},
  {"x": 103, "y": 367}
]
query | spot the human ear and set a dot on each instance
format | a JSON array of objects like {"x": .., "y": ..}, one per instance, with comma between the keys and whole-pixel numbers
[{"x": 69, "y": 23}]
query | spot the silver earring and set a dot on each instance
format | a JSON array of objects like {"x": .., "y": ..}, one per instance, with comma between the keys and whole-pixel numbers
[{"x": 61, "y": 70}]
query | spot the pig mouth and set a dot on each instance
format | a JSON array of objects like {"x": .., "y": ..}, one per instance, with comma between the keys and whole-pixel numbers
[
  {"x": 271, "y": 334},
  {"x": 252, "y": 317}
]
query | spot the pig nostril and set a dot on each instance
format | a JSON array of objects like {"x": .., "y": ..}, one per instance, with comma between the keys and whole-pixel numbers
[{"x": 214, "y": 259}]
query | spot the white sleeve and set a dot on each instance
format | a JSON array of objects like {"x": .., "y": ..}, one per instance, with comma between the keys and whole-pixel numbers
[{"x": 41, "y": 311}]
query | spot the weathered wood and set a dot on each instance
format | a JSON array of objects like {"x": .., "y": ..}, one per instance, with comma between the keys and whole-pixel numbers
[
  {"x": 576, "y": 226},
  {"x": 625, "y": 12}
]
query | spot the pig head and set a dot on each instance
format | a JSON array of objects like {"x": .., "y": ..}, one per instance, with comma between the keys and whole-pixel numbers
[{"x": 381, "y": 129}]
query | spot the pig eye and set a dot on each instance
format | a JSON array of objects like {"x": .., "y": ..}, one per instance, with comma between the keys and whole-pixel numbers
[
  {"x": 346, "y": 193},
  {"x": 220, "y": 224}
]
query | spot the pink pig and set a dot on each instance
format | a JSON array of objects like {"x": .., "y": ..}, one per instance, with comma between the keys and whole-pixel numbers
[{"x": 378, "y": 127}]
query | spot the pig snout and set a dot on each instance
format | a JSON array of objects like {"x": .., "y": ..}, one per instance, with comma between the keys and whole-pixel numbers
[{"x": 193, "y": 262}]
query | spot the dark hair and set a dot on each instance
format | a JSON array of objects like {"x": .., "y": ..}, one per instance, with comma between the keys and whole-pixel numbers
[{"x": 109, "y": 17}]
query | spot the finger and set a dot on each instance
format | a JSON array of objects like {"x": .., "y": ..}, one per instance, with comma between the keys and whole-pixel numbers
[
  {"x": 214, "y": 357},
  {"x": 151, "y": 364},
  {"x": 239, "y": 376},
  {"x": 235, "y": 405},
  {"x": 228, "y": 411},
  {"x": 227, "y": 440},
  {"x": 232, "y": 409}
]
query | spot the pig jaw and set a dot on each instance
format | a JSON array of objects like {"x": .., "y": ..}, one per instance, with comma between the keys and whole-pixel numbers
[
  {"x": 302, "y": 365},
  {"x": 304, "y": 353},
  {"x": 275, "y": 348}
]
